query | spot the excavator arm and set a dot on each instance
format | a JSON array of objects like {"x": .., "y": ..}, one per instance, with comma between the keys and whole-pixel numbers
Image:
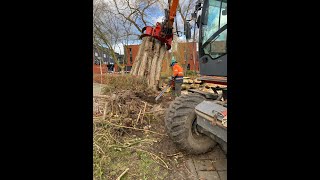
[
  {"x": 163, "y": 31},
  {"x": 172, "y": 11}
]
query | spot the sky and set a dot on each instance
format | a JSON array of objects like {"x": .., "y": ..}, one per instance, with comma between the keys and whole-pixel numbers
[{"x": 156, "y": 16}]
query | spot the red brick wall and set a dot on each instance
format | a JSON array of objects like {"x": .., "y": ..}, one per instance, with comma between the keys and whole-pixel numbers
[
  {"x": 193, "y": 66},
  {"x": 96, "y": 68},
  {"x": 134, "y": 50},
  {"x": 190, "y": 46}
]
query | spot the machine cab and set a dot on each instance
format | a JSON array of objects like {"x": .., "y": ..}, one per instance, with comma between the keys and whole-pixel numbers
[{"x": 213, "y": 38}]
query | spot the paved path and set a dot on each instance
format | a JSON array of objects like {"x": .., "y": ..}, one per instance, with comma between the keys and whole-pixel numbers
[{"x": 209, "y": 166}]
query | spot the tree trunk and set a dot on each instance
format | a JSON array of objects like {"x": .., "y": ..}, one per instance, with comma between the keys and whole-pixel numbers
[
  {"x": 149, "y": 61},
  {"x": 137, "y": 61},
  {"x": 186, "y": 57}
]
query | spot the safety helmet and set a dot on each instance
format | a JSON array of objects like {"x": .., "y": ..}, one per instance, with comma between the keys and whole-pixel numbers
[{"x": 173, "y": 61}]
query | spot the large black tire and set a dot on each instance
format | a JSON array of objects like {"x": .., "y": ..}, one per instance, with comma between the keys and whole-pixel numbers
[{"x": 179, "y": 121}]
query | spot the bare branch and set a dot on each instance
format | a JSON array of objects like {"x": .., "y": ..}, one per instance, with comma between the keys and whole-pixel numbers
[
  {"x": 108, "y": 43},
  {"x": 129, "y": 19}
]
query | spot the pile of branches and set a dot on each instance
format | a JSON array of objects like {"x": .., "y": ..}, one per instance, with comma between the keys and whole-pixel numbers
[
  {"x": 119, "y": 119},
  {"x": 130, "y": 104},
  {"x": 124, "y": 108}
]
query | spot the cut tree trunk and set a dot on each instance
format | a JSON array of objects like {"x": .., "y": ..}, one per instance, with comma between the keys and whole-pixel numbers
[
  {"x": 137, "y": 61},
  {"x": 149, "y": 61}
]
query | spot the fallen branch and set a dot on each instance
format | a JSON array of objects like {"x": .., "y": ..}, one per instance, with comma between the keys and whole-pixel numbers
[
  {"x": 124, "y": 172},
  {"x": 144, "y": 110},
  {"x": 98, "y": 148},
  {"x": 179, "y": 153},
  {"x": 114, "y": 139},
  {"x": 117, "y": 125},
  {"x": 152, "y": 154},
  {"x": 128, "y": 144},
  {"x": 138, "y": 117},
  {"x": 105, "y": 111},
  {"x": 151, "y": 112},
  {"x": 101, "y": 96},
  {"x": 164, "y": 164}
]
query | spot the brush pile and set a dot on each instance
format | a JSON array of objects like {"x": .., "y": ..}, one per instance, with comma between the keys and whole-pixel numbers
[
  {"x": 125, "y": 117},
  {"x": 129, "y": 108}
]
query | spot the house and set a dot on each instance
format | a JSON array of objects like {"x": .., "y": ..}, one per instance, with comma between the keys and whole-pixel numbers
[
  {"x": 131, "y": 52},
  {"x": 184, "y": 55},
  {"x": 108, "y": 63},
  {"x": 187, "y": 55},
  {"x": 121, "y": 61}
]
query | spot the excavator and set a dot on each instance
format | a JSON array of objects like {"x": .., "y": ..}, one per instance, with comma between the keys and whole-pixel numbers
[{"x": 197, "y": 121}]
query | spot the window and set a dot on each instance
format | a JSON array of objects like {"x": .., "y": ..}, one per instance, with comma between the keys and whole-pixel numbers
[
  {"x": 130, "y": 55},
  {"x": 104, "y": 55},
  {"x": 96, "y": 61},
  {"x": 120, "y": 60},
  {"x": 110, "y": 67},
  {"x": 96, "y": 54},
  {"x": 215, "y": 18},
  {"x": 188, "y": 67},
  {"x": 214, "y": 43},
  {"x": 217, "y": 47}
]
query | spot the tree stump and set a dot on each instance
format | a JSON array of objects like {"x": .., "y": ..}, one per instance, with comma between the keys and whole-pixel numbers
[{"x": 149, "y": 60}]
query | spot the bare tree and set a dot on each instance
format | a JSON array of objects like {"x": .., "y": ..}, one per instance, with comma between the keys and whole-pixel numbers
[
  {"x": 106, "y": 30},
  {"x": 185, "y": 9},
  {"x": 134, "y": 15},
  {"x": 137, "y": 13}
]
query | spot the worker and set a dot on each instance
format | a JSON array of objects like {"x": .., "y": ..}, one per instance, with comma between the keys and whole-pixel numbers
[{"x": 177, "y": 76}]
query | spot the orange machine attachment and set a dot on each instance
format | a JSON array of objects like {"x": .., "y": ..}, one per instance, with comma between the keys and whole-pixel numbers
[{"x": 163, "y": 31}]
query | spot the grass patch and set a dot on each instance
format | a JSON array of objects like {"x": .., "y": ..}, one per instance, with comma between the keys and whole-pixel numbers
[
  {"x": 192, "y": 74},
  {"x": 120, "y": 82},
  {"x": 115, "y": 160}
]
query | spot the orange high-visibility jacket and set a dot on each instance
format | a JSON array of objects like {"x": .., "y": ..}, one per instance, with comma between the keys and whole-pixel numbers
[{"x": 177, "y": 70}]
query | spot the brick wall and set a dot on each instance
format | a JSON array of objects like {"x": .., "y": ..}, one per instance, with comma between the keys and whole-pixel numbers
[
  {"x": 189, "y": 48},
  {"x": 96, "y": 69},
  {"x": 131, "y": 51}
]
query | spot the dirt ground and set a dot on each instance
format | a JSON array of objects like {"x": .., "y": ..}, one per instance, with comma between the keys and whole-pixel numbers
[{"x": 132, "y": 136}]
